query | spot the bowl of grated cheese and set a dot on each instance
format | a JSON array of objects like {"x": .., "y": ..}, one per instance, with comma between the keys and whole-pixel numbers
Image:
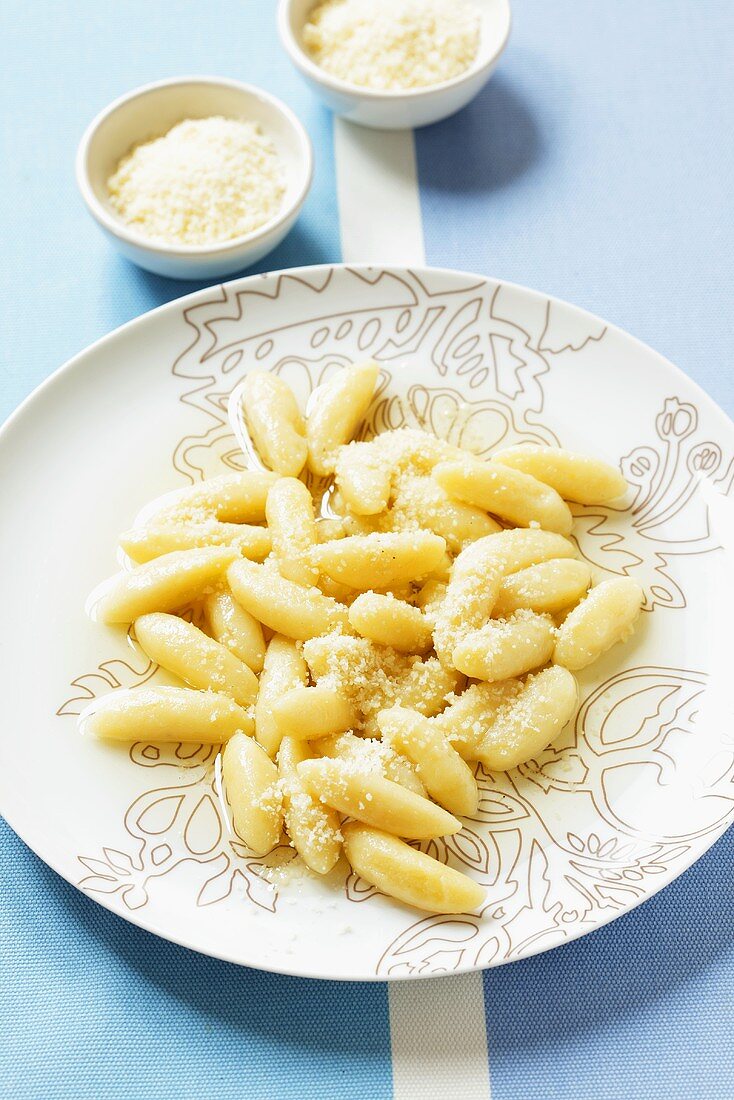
[
  {"x": 395, "y": 64},
  {"x": 197, "y": 177}
]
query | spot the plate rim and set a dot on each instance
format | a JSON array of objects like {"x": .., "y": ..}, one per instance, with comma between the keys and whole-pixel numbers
[{"x": 27, "y": 833}]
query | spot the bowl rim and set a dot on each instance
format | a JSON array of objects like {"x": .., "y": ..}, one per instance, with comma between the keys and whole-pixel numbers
[
  {"x": 302, "y": 61},
  {"x": 118, "y": 228}
]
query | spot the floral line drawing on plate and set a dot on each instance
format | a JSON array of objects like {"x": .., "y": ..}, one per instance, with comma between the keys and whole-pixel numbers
[
  {"x": 668, "y": 516},
  {"x": 463, "y": 334},
  {"x": 110, "y": 674},
  {"x": 484, "y": 386},
  {"x": 577, "y": 876},
  {"x": 185, "y": 823},
  {"x": 545, "y": 880}
]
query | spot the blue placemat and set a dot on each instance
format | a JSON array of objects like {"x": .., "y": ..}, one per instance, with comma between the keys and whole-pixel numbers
[{"x": 595, "y": 166}]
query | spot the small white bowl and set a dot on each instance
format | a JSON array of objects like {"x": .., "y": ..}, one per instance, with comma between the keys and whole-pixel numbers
[
  {"x": 151, "y": 111},
  {"x": 405, "y": 108}
]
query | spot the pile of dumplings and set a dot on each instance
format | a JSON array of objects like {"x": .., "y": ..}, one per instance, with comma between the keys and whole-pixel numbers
[{"x": 363, "y": 626}]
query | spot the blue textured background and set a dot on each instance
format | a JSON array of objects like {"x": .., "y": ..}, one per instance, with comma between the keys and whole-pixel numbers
[{"x": 596, "y": 166}]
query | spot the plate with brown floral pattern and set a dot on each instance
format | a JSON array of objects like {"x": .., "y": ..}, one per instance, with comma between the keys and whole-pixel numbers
[{"x": 634, "y": 790}]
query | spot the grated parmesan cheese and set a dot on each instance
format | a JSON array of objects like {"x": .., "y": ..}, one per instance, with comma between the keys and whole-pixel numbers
[
  {"x": 207, "y": 180},
  {"x": 393, "y": 44}
]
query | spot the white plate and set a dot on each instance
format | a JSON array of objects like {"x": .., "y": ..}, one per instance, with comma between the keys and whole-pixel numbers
[{"x": 629, "y": 796}]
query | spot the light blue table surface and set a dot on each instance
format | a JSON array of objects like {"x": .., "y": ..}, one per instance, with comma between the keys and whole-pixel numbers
[{"x": 597, "y": 165}]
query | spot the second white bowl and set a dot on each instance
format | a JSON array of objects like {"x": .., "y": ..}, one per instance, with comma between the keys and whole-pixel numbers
[
  {"x": 151, "y": 111},
  {"x": 401, "y": 109}
]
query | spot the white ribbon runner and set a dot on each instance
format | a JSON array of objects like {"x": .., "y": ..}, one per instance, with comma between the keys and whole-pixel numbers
[{"x": 437, "y": 1026}]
